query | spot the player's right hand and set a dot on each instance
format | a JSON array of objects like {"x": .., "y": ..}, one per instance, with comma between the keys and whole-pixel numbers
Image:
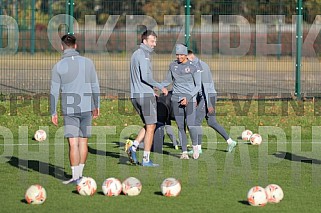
[{"x": 54, "y": 119}]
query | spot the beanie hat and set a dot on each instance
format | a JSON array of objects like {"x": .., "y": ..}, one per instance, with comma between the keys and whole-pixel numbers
[{"x": 181, "y": 49}]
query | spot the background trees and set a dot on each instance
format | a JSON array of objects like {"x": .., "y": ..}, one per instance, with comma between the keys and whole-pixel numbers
[{"x": 21, "y": 9}]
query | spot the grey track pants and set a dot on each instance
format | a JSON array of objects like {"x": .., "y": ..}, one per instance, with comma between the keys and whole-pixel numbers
[
  {"x": 201, "y": 113},
  {"x": 186, "y": 115}
]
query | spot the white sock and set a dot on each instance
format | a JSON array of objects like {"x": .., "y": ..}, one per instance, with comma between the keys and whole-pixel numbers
[
  {"x": 135, "y": 145},
  {"x": 199, "y": 147},
  {"x": 146, "y": 156},
  {"x": 81, "y": 169},
  {"x": 75, "y": 172},
  {"x": 229, "y": 141}
]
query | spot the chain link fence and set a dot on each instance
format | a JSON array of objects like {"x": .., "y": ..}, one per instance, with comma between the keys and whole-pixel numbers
[{"x": 255, "y": 48}]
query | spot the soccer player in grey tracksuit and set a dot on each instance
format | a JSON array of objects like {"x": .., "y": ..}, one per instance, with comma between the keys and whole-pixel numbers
[
  {"x": 143, "y": 97},
  {"x": 76, "y": 78},
  {"x": 206, "y": 105},
  {"x": 186, "y": 79}
]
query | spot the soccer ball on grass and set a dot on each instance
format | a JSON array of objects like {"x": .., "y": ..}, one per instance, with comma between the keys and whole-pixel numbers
[
  {"x": 87, "y": 186},
  {"x": 256, "y": 196},
  {"x": 256, "y": 139},
  {"x": 35, "y": 194},
  {"x": 246, "y": 134},
  {"x": 111, "y": 187},
  {"x": 171, "y": 187},
  {"x": 274, "y": 193},
  {"x": 40, "y": 135},
  {"x": 132, "y": 186}
]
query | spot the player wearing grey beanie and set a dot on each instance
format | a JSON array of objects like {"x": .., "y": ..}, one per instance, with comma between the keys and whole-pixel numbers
[{"x": 186, "y": 80}]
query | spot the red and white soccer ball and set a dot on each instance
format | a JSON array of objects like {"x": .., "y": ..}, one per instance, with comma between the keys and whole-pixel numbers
[
  {"x": 132, "y": 186},
  {"x": 111, "y": 187},
  {"x": 256, "y": 139},
  {"x": 35, "y": 194},
  {"x": 246, "y": 134},
  {"x": 274, "y": 193},
  {"x": 171, "y": 187},
  {"x": 40, "y": 135},
  {"x": 87, "y": 186},
  {"x": 256, "y": 196}
]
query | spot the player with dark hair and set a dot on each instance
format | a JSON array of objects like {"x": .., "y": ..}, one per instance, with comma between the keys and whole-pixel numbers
[
  {"x": 143, "y": 97},
  {"x": 76, "y": 78}
]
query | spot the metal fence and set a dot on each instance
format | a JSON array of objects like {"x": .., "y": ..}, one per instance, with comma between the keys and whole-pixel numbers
[{"x": 255, "y": 48}]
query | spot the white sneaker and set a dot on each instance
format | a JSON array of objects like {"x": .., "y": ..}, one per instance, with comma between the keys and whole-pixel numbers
[
  {"x": 231, "y": 146},
  {"x": 184, "y": 156},
  {"x": 71, "y": 181},
  {"x": 196, "y": 153}
]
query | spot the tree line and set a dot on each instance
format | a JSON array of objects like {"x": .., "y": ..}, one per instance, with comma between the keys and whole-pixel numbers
[{"x": 21, "y": 9}]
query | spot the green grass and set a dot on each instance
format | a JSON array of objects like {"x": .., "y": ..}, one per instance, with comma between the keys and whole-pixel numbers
[{"x": 218, "y": 182}]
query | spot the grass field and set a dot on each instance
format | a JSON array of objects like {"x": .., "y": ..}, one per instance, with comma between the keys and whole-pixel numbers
[{"x": 289, "y": 156}]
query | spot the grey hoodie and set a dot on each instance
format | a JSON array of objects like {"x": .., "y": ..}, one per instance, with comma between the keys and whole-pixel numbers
[
  {"x": 186, "y": 79},
  {"x": 141, "y": 75},
  {"x": 77, "y": 79},
  {"x": 208, "y": 89}
]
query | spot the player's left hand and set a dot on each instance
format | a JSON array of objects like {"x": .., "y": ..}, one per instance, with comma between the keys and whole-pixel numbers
[
  {"x": 211, "y": 110},
  {"x": 95, "y": 113},
  {"x": 184, "y": 101}
]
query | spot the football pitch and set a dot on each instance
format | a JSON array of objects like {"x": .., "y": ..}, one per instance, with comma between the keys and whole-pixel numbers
[{"x": 290, "y": 156}]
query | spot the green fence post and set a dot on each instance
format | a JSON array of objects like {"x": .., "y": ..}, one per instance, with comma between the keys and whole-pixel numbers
[
  {"x": 16, "y": 10},
  {"x": 33, "y": 26},
  {"x": 50, "y": 2},
  {"x": 24, "y": 24},
  {"x": 0, "y": 25},
  {"x": 67, "y": 17},
  {"x": 50, "y": 16},
  {"x": 279, "y": 26},
  {"x": 187, "y": 21},
  {"x": 70, "y": 11},
  {"x": 298, "y": 49},
  {"x": 71, "y": 20}
]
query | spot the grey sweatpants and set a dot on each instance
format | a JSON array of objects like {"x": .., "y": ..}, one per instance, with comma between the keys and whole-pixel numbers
[
  {"x": 201, "y": 113},
  {"x": 171, "y": 134},
  {"x": 186, "y": 114}
]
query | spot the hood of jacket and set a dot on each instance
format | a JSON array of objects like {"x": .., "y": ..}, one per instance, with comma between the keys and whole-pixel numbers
[
  {"x": 69, "y": 53},
  {"x": 146, "y": 48}
]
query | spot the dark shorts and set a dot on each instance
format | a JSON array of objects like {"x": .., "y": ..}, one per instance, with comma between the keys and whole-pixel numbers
[
  {"x": 78, "y": 125},
  {"x": 146, "y": 108}
]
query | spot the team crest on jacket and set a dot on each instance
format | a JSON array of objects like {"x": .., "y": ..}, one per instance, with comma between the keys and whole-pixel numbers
[{"x": 187, "y": 69}]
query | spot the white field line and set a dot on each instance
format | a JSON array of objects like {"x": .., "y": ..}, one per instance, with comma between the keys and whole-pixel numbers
[{"x": 113, "y": 143}]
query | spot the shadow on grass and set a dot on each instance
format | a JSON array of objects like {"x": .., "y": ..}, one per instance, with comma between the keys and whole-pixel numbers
[
  {"x": 38, "y": 166},
  {"x": 94, "y": 151},
  {"x": 122, "y": 155},
  {"x": 75, "y": 192},
  {"x": 244, "y": 202},
  {"x": 297, "y": 158},
  {"x": 24, "y": 201},
  {"x": 101, "y": 193},
  {"x": 158, "y": 193}
]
